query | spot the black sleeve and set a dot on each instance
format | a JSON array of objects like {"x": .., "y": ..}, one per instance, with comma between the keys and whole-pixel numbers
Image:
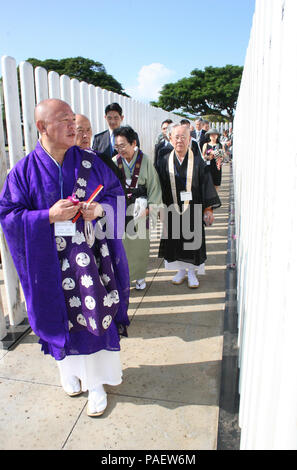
[
  {"x": 108, "y": 161},
  {"x": 95, "y": 144},
  {"x": 210, "y": 195}
]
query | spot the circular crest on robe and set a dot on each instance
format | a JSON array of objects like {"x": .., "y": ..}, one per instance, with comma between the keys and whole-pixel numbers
[
  {"x": 90, "y": 302},
  {"x": 68, "y": 283},
  {"x": 106, "y": 321},
  {"x": 82, "y": 259},
  {"x": 86, "y": 164},
  {"x": 61, "y": 243}
]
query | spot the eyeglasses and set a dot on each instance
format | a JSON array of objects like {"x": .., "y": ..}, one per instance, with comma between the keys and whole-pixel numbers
[
  {"x": 120, "y": 147},
  {"x": 83, "y": 131},
  {"x": 180, "y": 137}
]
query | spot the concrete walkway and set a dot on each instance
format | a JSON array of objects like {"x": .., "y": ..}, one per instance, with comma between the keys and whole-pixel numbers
[{"x": 169, "y": 398}]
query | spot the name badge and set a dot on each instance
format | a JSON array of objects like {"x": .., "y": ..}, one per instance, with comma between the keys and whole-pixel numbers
[
  {"x": 66, "y": 228},
  {"x": 186, "y": 196},
  {"x": 208, "y": 162},
  {"x": 128, "y": 182}
]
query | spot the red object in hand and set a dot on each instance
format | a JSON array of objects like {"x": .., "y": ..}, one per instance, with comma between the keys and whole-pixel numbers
[
  {"x": 91, "y": 198},
  {"x": 73, "y": 199}
]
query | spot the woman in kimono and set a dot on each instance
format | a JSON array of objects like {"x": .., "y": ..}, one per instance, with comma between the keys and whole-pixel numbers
[
  {"x": 143, "y": 190},
  {"x": 209, "y": 154}
]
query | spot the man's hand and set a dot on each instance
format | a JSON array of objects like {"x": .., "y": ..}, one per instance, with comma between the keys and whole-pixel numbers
[
  {"x": 62, "y": 210},
  {"x": 94, "y": 211},
  {"x": 208, "y": 216}
]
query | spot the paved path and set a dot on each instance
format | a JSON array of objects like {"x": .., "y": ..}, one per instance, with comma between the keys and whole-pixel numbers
[{"x": 172, "y": 366}]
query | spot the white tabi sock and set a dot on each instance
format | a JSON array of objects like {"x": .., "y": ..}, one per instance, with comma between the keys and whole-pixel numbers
[
  {"x": 179, "y": 277},
  {"x": 97, "y": 400},
  {"x": 192, "y": 279}
]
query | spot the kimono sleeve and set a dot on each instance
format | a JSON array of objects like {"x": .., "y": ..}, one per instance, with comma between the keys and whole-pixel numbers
[
  {"x": 32, "y": 246},
  {"x": 153, "y": 185},
  {"x": 154, "y": 192}
]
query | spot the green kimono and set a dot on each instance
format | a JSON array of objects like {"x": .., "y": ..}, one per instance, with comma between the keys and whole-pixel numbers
[{"x": 137, "y": 249}]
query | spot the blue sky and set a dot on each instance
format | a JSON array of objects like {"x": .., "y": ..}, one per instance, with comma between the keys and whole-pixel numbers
[{"x": 143, "y": 44}]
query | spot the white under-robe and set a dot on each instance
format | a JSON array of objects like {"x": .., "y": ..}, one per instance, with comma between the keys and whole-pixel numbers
[
  {"x": 101, "y": 367},
  {"x": 177, "y": 265}
]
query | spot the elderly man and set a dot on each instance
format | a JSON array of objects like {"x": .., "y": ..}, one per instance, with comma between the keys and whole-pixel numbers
[
  {"x": 83, "y": 140},
  {"x": 189, "y": 197},
  {"x": 75, "y": 283},
  {"x": 83, "y": 132}
]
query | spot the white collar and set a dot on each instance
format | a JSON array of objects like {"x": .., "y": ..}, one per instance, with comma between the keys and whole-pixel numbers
[{"x": 58, "y": 164}]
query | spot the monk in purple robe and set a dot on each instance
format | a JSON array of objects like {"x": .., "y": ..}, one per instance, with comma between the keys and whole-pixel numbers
[{"x": 69, "y": 254}]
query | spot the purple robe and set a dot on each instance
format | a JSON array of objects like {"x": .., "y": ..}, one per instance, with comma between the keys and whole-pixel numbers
[{"x": 50, "y": 276}]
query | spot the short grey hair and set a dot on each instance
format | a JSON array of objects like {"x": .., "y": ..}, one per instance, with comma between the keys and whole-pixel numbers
[
  {"x": 173, "y": 126},
  {"x": 170, "y": 128}
]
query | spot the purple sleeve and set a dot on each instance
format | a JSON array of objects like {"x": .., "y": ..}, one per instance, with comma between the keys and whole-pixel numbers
[{"x": 30, "y": 239}]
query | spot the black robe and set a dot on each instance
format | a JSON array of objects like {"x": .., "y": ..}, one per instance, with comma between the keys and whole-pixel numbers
[{"x": 203, "y": 192}]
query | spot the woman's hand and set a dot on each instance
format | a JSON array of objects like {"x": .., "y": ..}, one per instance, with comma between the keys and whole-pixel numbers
[
  {"x": 62, "y": 210},
  {"x": 210, "y": 155},
  {"x": 91, "y": 212}
]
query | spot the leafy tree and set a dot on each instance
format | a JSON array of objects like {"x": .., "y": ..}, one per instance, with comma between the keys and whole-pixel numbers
[
  {"x": 212, "y": 91},
  {"x": 83, "y": 69}
]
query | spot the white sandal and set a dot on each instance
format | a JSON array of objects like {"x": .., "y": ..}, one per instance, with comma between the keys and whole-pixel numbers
[
  {"x": 97, "y": 402},
  {"x": 179, "y": 277},
  {"x": 193, "y": 282},
  {"x": 73, "y": 387},
  {"x": 140, "y": 284}
]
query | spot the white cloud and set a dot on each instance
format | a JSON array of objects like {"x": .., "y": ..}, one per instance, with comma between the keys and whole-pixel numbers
[{"x": 150, "y": 80}]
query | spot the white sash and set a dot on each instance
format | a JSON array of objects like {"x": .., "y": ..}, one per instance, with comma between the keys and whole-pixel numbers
[{"x": 189, "y": 179}]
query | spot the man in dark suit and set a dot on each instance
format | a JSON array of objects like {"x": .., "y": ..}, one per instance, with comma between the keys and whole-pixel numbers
[
  {"x": 203, "y": 137},
  {"x": 198, "y": 128},
  {"x": 83, "y": 140},
  {"x": 104, "y": 141}
]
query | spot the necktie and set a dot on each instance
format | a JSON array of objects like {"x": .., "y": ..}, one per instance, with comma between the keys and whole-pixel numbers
[{"x": 112, "y": 143}]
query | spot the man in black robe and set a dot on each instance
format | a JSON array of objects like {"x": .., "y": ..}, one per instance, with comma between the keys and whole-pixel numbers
[
  {"x": 189, "y": 197},
  {"x": 162, "y": 149}
]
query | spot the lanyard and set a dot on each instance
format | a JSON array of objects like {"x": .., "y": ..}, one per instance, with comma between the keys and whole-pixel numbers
[
  {"x": 60, "y": 181},
  {"x": 131, "y": 168},
  {"x": 188, "y": 182}
]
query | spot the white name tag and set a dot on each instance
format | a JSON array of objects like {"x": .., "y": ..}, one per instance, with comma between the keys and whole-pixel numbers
[
  {"x": 65, "y": 228},
  {"x": 208, "y": 162},
  {"x": 128, "y": 182},
  {"x": 186, "y": 196}
]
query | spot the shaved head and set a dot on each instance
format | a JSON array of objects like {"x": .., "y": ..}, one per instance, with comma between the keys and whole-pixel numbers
[
  {"x": 47, "y": 109},
  {"x": 83, "y": 131},
  {"x": 82, "y": 119},
  {"x": 55, "y": 122}
]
